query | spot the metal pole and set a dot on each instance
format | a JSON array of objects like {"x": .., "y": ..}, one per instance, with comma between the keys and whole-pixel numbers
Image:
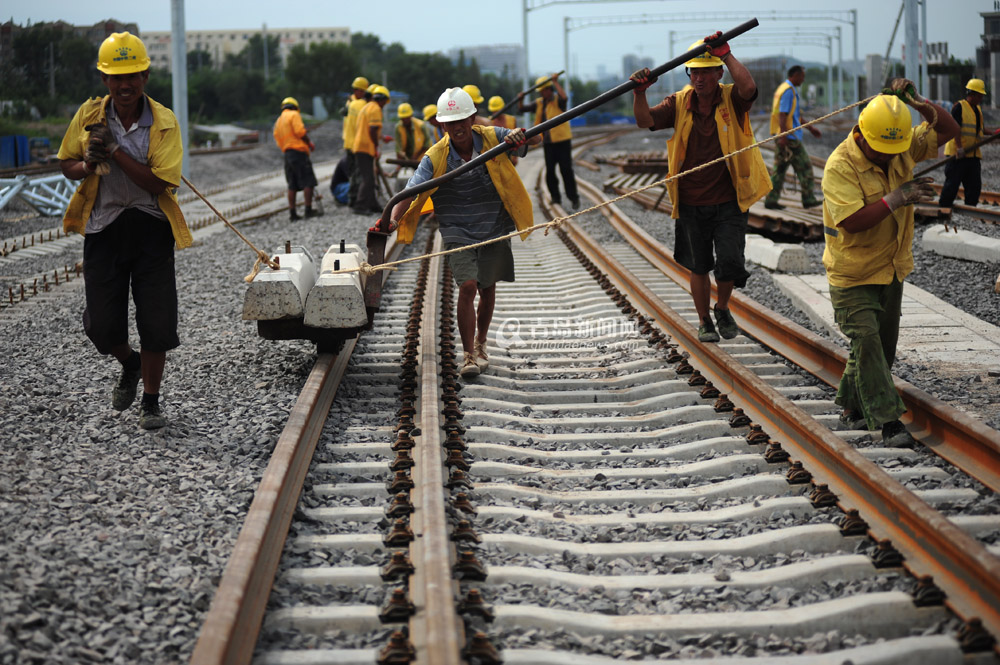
[
  {"x": 857, "y": 63},
  {"x": 829, "y": 73},
  {"x": 925, "y": 80},
  {"x": 178, "y": 43},
  {"x": 910, "y": 39},
  {"x": 840, "y": 70},
  {"x": 524, "y": 31},
  {"x": 569, "y": 75}
]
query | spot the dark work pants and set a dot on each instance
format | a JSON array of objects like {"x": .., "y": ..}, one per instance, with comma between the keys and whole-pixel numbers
[
  {"x": 966, "y": 172},
  {"x": 352, "y": 171},
  {"x": 560, "y": 153},
  {"x": 365, "y": 166}
]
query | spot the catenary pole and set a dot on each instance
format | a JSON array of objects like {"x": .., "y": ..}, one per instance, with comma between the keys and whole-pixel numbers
[{"x": 178, "y": 45}]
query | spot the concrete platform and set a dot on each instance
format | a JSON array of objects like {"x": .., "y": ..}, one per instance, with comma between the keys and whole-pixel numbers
[{"x": 931, "y": 331}]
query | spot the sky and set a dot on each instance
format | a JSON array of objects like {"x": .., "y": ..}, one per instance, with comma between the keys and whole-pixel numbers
[{"x": 646, "y": 31}]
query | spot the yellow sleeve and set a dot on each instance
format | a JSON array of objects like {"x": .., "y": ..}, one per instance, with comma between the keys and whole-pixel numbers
[
  {"x": 842, "y": 190},
  {"x": 924, "y": 144},
  {"x": 166, "y": 161},
  {"x": 72, "y": 146}
]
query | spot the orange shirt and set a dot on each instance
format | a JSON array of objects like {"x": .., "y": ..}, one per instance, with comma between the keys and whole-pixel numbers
[
  {"x": 370, "y": 116},
  {"x": 289, "y": 130}
]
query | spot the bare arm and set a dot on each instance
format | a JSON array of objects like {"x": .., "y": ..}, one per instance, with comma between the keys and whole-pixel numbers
[
  {"x": 640, "y": 109},
  {"x": 745, "y": 85}
]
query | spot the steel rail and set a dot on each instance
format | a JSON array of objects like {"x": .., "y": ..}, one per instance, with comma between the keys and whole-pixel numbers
[
  {"x": 932, "y": 545},
  {"x": 232, "y": 625},
  {"x": 953, "y": 435},
  {"x": 436, "y": 630}
]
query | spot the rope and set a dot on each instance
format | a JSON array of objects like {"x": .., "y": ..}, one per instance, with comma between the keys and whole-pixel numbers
[
  {"x": 262, "y": 258},
  {"x": 367, "y": 269}
]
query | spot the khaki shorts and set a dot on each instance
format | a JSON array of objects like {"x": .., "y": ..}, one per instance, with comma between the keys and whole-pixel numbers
[{"x": 487, "y": 265}]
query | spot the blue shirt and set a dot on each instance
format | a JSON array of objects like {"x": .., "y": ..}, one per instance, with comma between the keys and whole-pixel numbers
[
  {"x": 468, "y": 207},
  {"x": 785, "y": 106}
]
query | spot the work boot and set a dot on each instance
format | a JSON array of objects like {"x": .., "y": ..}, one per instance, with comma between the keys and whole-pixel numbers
[
  {"x": 894, "y": 435},
  {"x": 574, "y": 204},
  {"x": 312, "y": 213},
  {"x": 124, "y": 391},
  {"x": 727, "y": 325},
  {"x": 773, "y": 205},
  {"x": 706, "y": 332},
  {"x": 482, "y": 358},
  {"x": 811, "y": 203},
  {"x": 851, "y": 419},
  {"x": 293, "y": 216},
  {"x": 470, "y": 369},
  {"x": 150, "y": 416}
]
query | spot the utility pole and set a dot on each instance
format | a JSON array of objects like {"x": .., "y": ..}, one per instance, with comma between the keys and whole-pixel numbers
[{"x": 178, "y": 43}]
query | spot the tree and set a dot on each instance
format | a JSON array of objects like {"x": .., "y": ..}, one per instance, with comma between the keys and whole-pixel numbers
[
  {"x": 199, "y": 59},
  {"x": 252, "y": 56},
  {"x": 326, "y": 69}
]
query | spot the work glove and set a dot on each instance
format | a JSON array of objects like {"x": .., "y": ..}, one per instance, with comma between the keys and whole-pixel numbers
[
  {"x": 387, "y": 139},
  {"x": 644, "y": 77},
  {"x": 393, "y": 225},
  {"x": 516, "y": 137},
  {"x": 913, "y": 191},
  {"x": 905, "y": 90},
  {"x": 312, "y": 147},
  {"x": 718, "y": 51},
  {"x": 102, "y": 133}
]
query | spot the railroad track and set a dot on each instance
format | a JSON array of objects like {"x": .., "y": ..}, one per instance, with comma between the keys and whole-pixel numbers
[{"x": 596, "y": 495}]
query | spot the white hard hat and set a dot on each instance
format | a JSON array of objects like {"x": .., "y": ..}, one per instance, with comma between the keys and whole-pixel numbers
[{"x": 454, "y": 104}]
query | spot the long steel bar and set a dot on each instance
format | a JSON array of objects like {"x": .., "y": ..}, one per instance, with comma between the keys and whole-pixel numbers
[
  {"x": 932, "y": 545},
  {"x": 436, "y": 630}
]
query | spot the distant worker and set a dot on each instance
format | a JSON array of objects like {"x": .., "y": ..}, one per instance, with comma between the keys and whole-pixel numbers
[
  {"x": 430, "y": 117},
  {"x": 710, "y": 205},
  {"x": 501, "y": 204},
  {"x": 292, "y": 138},
  {"x": 127, "y": 210},
  {"x": 966, "y": 168},
  {"x": 413, "y": 136},
  {"x": 352, "y": 108},
  {"x": 504, "y": 120},
  {"x": 340, "y": 183},
  {"x": 557, "y": 143},
  {"x": 366, "y": 153},
  {"x": 790, "y": 151},
  {"x": 868, "y": 197},
  {"x": 477, "y": 99}
]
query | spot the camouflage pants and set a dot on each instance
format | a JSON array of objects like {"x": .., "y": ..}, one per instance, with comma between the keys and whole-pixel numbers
[{"x": 794, "y": 155}]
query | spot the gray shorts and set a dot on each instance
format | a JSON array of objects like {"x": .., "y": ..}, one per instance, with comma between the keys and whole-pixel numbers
[
  {"x": 702, "y": 229},
  {"x": 487, "y": 265}
]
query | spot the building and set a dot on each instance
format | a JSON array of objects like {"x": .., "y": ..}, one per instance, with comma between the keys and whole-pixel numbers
[
  {"x": 221, "y": 43},
  {"x": 95, "y": 34},
  {"x": 505, "y": 60},
  {"x": 988, "y": 55},
  {"x": 632, "y": 63}
]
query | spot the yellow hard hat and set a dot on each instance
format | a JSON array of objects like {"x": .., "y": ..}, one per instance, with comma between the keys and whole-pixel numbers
[
  {"x": 430, "y": 111},
  {"x": 496, "y": 103},
  {"x": 885, "y": 124},
  {"x": 289, "y": 101},
  {"x": 404, "y": 111},
  {"x": 706, "y": 59},
  {"x": 381, "y": 90},
  {"x": 122, "y": 53},
  {"x": 371, "y": 88},
  {"x": 543, "y": 82},
  {"x": 360, "y": 83},
  {"x": 473, "y": 90},
  {"x": 976, "y": 85}
]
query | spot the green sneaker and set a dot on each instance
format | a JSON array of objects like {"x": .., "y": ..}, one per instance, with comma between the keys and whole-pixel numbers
[
  {"x": 706, "y": 332},
  {"x": 727, "y": 325},
  {"x": 124, "y": 391},
  {"x": 150, "y": 416}
]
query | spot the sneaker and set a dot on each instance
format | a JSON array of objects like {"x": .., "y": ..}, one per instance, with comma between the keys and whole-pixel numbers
[
  {"x": 706, "y": 332},
  {"x": 150, "y": 416},
  {"x": 727, "y": 325},
  {"x": 482, "y": 358},
  {"x": 811, "y": 203},
  {"x": 853, "y": 420},
  {"x": 469, "y": 367},
  {"x": 124, "y": 392},
  {"x": 312, "y": 213},
  {"x": 894, "y": 435},
  {"x": 293, "y": 216},
  {"x": 773, "y": 205},
  {"x": 574, "y": 204}
]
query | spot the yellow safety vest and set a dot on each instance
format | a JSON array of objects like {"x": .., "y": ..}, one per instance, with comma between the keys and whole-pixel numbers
[
  {"x": 969, "y": 134},
  {"x": 164, "y": 159},
  {"x": 418, "y": 137},
  {"x": 351, "y": 121},
  {"x": 559, "y": 132},
  {"x": 502, "y": 172},
  {"x": 776, "y": 127},
  {"x": 747, "y": 170}
]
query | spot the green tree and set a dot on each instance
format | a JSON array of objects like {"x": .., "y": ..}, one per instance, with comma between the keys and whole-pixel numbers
[
  {"x": 252, "y": 56},
  {"x": 326, "y": 69},
  {"x": 199, "y": 59}
]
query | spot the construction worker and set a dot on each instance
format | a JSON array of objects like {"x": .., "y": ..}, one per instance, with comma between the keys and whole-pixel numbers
[
  {"x": 366, "y": 152},
  {"x": 710, "y": 205},
  {"x": 127, "y": 150},
  {"x": 557, "y": 142},
  {"x": 430, "y": 118},
  {"x": 966, "y": 168},
  {"x": 477, "y": 99},
  {"x": 503, "y": 120},
  {"x": 413, "y": 136},
  {"x": 352, "y": 108},
  {"x": 790, "y": 151},
  {"x": 481, "y": 204},
  {"x": 292, "y": 138},
  {"x": 868, "y": 197}
]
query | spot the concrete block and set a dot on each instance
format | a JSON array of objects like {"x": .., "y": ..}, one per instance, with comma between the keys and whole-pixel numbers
[
  {"x": 784, "y": 257},
  {"x": 281, "y": 294},
  {"x": 964, "y": 245},
  {"x": 337, "y": 300}
]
